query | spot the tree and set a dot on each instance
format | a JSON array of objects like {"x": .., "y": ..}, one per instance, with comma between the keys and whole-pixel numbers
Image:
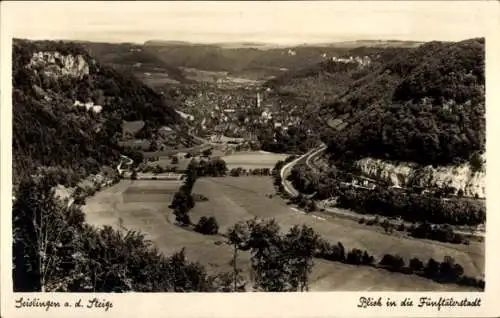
[
  {"x": 476, "y": 162},
  {"x": 238, "y": 236},
  {"x": 355, "y": 257},
  {"x": 449, "y": 271},
  {"x": 43, "y": 232},
  {"x": 207, "y": 152},
  {"x": 416, "y": 265},
  {"x": 431, "y": 270},
  {"x": 219, "y": 167},
  {"x": 182, "y": 216},
  {"x": 235, "y": 172},
  {"x": 311, "y": 206},
  {"x": 300, "y": 244},
  {"x": 393, "y": 262},
  {"x": 207, "y": 226},
  {"x": 368, "y": 259},
  {"x": 267, "y": 258},
  {"x": 182, "y": 200}
]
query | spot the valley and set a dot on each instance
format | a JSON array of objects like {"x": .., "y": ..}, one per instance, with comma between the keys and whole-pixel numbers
[{"x": 189, "y": 141}]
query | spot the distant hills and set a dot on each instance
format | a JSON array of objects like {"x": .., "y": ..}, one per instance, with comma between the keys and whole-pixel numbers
[
  {"x": 243, "y": 59},
  {"x": 369, "y": 43},
  {"x": 267, "y": 45}
]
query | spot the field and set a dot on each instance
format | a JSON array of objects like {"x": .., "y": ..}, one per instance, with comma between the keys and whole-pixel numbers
[
  {"x": 143, "y": 205},
  {"x": 155, "y": 79},
  {"x": 166, "y": 161},
  {"x": 132, "y": 127},
  {"x": 253, "y": 159}
]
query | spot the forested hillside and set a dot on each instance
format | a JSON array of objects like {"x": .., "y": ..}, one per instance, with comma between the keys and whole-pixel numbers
[
  {"x": 424, "y": 105},
  {"x": 68, "y": 108}
]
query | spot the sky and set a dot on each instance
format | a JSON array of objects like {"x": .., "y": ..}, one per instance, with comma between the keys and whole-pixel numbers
[{"x": 279, "y": 22}]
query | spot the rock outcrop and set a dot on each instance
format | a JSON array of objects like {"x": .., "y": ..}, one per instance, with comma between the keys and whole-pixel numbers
[
  {"x": 55, "y": 64},
  {"x": 461, "y": 177}
]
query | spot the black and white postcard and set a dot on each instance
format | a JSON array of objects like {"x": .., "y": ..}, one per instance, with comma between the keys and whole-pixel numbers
[{"x": 249, "y": 159}]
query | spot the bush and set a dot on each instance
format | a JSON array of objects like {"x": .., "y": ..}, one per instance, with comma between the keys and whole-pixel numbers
[
  {"x": 442, "y": 233},
  {"x": 372, "y": 221},
  {"x": 207, "y": 152},
  {"x": 401, "y": 227},
  {"x": 235, "y": 172},
  {"x": 416, "y": 265},
  {"x": 393, "y": 263},
  {"x": 368, "y": 259},
  {"x": 199, "y": 197},
  {"x": 311, "y": 206},
  {"x": 449, "y": 271},
  {"x": 431, "y": 269},
  {"x": 330, "y": 252},
  {"x": 207, "y": 226},
  {"x": 355, "y": 257}
]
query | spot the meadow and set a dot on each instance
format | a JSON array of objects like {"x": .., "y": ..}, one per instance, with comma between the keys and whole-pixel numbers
[
  {"x": 253, "y": 159},
  {"x": 143, "y": 205}
]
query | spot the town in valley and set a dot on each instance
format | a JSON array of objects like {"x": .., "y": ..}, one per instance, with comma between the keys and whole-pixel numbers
[{"x": 177, "y": 164}]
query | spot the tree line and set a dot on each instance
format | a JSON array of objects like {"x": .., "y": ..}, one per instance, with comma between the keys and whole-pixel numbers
[
  {"x": 411, "y": 205},
  {"x": 236, "y": 172}
]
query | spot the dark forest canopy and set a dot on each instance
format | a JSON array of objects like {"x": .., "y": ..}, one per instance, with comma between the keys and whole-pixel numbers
[
  {"x": 48, "y": 130},
  {"x": 425, "y": 104}
]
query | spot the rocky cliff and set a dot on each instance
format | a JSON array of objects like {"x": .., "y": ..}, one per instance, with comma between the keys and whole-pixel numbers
[
  {"x": 460, "y": 177},
  {"x": 55, "y": 64}
]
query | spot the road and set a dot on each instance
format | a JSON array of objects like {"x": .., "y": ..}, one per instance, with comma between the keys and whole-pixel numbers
[
  {"x": 308, "y": 158},
  {"x": 286, "y": 169}
]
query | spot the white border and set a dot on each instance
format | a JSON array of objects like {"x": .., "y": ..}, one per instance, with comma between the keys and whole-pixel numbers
[{"x": 320, "y": 304}]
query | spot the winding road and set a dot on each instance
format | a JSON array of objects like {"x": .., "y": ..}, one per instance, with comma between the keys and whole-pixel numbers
[{"x": 305, "y": 158}]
